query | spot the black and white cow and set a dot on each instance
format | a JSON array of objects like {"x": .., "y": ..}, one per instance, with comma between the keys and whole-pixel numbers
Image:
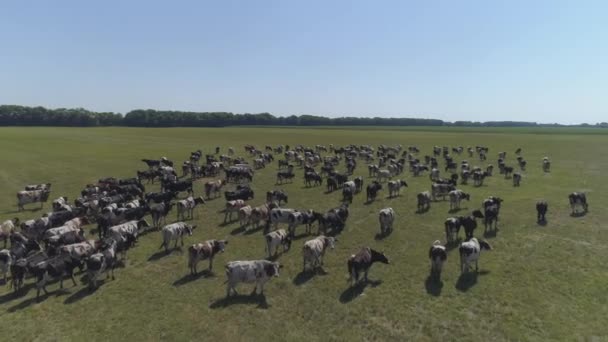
[
  {"x": 578, "y": 199},
  {"x": 175, "y": 232},
  {"x": 278, "y": 215},
  {"x": 302, "y": 218},
  {"x": 275, "y": 239},
  {"x": 516, "y": 178},
  {"x": 214, "y": 187},
  {"x": 541, "y": 209},
  {"x": 232, "y": 207},
  {"x": 314, "y": 251},
  {"x": 456, "y": 196},
  {"x": 202, "y": 251},
  {"x": 438, "y": 255},
  {"x": 278, "y": 196},
  {"x": 132, "y": 228},
  {"x": 441, "y": 190},
  {"x": 372, "y": 190},
  {"x": 469, "y": 223},
  {"x": 6, "y": 261},
  {"x": 383, "y": 175},
  {"x": 7, "y": 228},
  {"x": 312, "y": 178},
  {"x": 185, "y": 207},
  {"x": 362, "y": 261},
  {"x": 57, "y": 267},
  {"x": 469, "y": 253},
  {"x": 32, "y": 196},
  {"x": 394, "y": 187},
  {"x": 424, "y": 201},
  {"x": 452, "y": 228},
  {"x": 386, "y": 218},
  {"x": 104, "y": 261},
  {"x": 546, "y": 164},
  {"x": 250, "y": 271},
  {"x": 31, "y": 187},
  {"x": 159, "y": 212}
]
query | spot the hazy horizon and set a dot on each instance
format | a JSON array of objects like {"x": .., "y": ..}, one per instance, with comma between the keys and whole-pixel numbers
[{"x": 542, "y": 61}]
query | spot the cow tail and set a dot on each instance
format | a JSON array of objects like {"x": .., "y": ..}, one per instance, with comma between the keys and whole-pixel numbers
[{"x": 350, "y": 268}]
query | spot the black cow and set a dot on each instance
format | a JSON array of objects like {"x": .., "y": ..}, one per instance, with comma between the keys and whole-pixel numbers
[
  {"x": 470, "y": 223},
  {"x": 182, "y": 185},
  {"x": 160, "y": 197},
  {"x": 541, "y": 209},
  {"x": 372, "y": 190},
  {"x": 242, "y": 192},
  {"x": 362, "y": 261},
  {"x": 58, "y": 267}
]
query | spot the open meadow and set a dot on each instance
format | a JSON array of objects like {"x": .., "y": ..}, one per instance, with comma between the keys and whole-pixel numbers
[{"x": 540, "y": 282}]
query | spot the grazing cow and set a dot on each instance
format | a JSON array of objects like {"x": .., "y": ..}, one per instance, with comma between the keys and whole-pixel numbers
[
  {"x": 185, "y": 208},
  {"x": 276, "y": 239},
  {"x": 546, "y": 164},
  {"x": 372, "y": 190},
  {"x": 131, "y": 228},
  {"x": 383, "y": 175},
  {"x": 478, "y": 177},
  {"x": 362, "y": 261},
  {"x": 452, "y": 228},
  {"x": 285, "y": 175},
  {"x": 441, "y": 190},
  {"x": 469, "y": 253},
  {"x": 245, "y": 215},
  {"x": 302, "y": 217},
  {"x": 386, "y": 218},
  {"x": 508, "y": 171},
  {"x": 58, "y": 267},
  {"x": 394, "y": 187},
  {"x": 178, "y": 186},
  {"x": 214, "y": 187},
  {"x": 232, "y": 207},
  {"x": 456, "y": 196},
  {"x": 252, "y": 271},
  {"x": 32, "y": 196},
  {"x": 159, "y": 212},
  {"x": 277, "y": 195},
  {"x": 541, "y": 209},
  {"x": 470, "y": 223},
  {"x": 202, "y": 251},
  {"x": 491, "y": 216},
  {"x": 7, "y": 228},
  {"x": 438, "y": 255},
  {"x": 314, "y": 251},
  {"x": 578, "y": 199},
  {"x": 312, "y": 177},
  {"x": 424, "y": 201},
  {"x": 175, "y": 231},
  {"x": 160, "y": 197},
  {"x": 241, "y": 193},
  {"x": 516, "y": 178},
  {"x": 101, "y": 262}
]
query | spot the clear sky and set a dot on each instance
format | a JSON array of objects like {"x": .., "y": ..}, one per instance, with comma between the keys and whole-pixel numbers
[{"x": 544, "y": 61}]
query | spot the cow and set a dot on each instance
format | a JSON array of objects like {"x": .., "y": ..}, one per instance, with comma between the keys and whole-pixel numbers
[
  {"x": 456, "y": 196},
  {"x": 479, "y": 176},
  {"x": 101, "y": 262},
  {"x": 362, "y": 261},
  {"x": 159, "y": 197},
  {"x": 302, "y": 217},
  {"x": 358, "y": 184},
  {"x": 275, "y": 239},
  {"x": 60, "y": 203},
  {"x": 394, "y": 187},
  {"x": 386, "y": 218},
  {"x": 578, "y": 199},
  {"x": 373, "y": 170},
  {"x": 242, "y": 192},
  {"x": 277, "y": 195},
  {"x": 185, "y": 208},
  {"x": 245, "y": 215},
  {"x": 314, "y": 251},
  {"x": 278, "y": 215},
  {"x": 251, "y": 271},
  {"x": 205, "y": 250},
  {"x": 424, "y": 201},
  {"x": 334, "y": 218},
  {"x": 32, "y": 196},
  {"x": 178, "y": 186},
  {"x": 383, "y": 175},
  {"x": 441, "y": 190},
  {"x": 469, "y": 253},
  {"x": 6, "y": 261},
  {"x": 372, "y": 190},
  {"x": 470, "y": 222},
  {"x": 57, "y": 267},
  {"x": 347, "y": 194},
  {"x": 541, "y": 209},
  {"x": 546, "y": 164},
  {"x": 516, "y": 178},
  {"x": 434, "y": 175},
  {"x": 508, "y": 171},
  {"x": 175, "y": 231},
  {"x": 259, "y": 214},
  {"x": 285, "y": 175},
  {"x": 452, "y": 228},
  {"x": 214, "y": 187},
  {"x": 232, "y": 207},
  {"x": 437, "y": 255},
  {"x": 7, "y": 228},
  {"x": 311, "y": 178},
  {"x": 132, "y": 228},
  {"x": 332, "y": 184},
  {"x": 31, "y": 187},
  {"x": 159, "y": 212}
]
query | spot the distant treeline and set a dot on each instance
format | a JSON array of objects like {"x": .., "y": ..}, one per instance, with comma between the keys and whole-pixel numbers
[{"x": 11, "y": 115}]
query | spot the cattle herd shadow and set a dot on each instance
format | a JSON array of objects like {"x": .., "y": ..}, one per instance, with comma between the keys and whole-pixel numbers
[
  {"x": 12, "y": 295},
  {"x": 83, "y": 293},
  {"x": 192, "y": 277},
  {"x": 355, "y": 291},
  {"x": 258, "y": 299},
  {"x": 578, "y": 214},
  {"x": 238, "y": 230},
  {"x": 467, "y": 280},
  {"x": 433, "y": 285},
  {"x": 305, "y": 276},
  {"x": 161, "y": 254},
  {"x": 383, "y": 235}
]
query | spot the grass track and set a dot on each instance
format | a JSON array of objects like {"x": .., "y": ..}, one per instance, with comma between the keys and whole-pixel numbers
[{"x": 540, "y": 283}]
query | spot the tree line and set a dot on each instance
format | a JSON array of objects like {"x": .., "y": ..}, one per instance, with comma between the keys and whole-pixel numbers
[{"x": 12, "y": 115}]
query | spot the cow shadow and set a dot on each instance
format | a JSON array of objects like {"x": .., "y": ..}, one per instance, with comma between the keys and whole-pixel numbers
[
  {"x": 368, "y": 202},
  {"x": 28, "y": 302},
  {"x": 490, "y": 233},
  {"x": 260, "y": 300},
  {"x": 12, "y": 295},
  {"x": 161, "y": 254},
  {"x": 192, "y": 277},
  {"x": 433, "y": 285},
  {"x": 238, "y": 230},
  {"x": 31, "y": 210},
  {"x": 423, "y": 210},
  {"x": 452, "y": 245},
  {"x": 383, "y": 235},
  {"x": 227, "y": 223},
  {"x": 468, "y": 280},
  {"x": 542, "y": 223},
  {"x": 455, "y": 210},
  {"x": 355, "y": 291},
  {"x": 83, "y": 293},
  {"x": 578, "y": 214},
  {"x": 254, "y": 230},
  {"x": 305, "y": 276}
]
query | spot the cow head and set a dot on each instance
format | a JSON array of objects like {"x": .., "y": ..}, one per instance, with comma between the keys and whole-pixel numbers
[
  {"x": 199, "y": 200},
  {"x": 221, "y": 245},
  {"x": 477, "y": 213},
  {"x": 379, "y": 256},
  {"x": 190, "y": 228},
  {"x": 272, "y": 269},
  {"x": 142, "y": 224},
  {"x": 483, "y": 244}
]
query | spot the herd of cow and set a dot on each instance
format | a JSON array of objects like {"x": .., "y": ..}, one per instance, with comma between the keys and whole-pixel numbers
[{"x": 54, "y": 245}]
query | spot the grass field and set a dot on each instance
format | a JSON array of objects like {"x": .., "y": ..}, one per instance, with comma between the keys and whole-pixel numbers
[{"x": 539, "y": 283}]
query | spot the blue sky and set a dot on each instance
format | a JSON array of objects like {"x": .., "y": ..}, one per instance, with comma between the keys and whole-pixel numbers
[{"x": 544, "y": 61}]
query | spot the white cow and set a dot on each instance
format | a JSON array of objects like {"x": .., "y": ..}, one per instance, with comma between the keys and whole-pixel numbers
[
  {"x": 251, "y": 271},
  {"x": 469, "y": 253},
  {"x": 386, "y": 218},
  {"x": 232, "y": 207},
  {"x": 279, "y": 215},
  {"x": 314, "y": 250},
  {"x": 185, "y": 208},
  {"x": 129, "y": 228},
  {"x": 7, "y": 228},
  {"x": 276, "y": 239},
  {"x": 175, "y": 232},
  {"x": 245, "y": 215},
  {"x": 6, "y": 260}
]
